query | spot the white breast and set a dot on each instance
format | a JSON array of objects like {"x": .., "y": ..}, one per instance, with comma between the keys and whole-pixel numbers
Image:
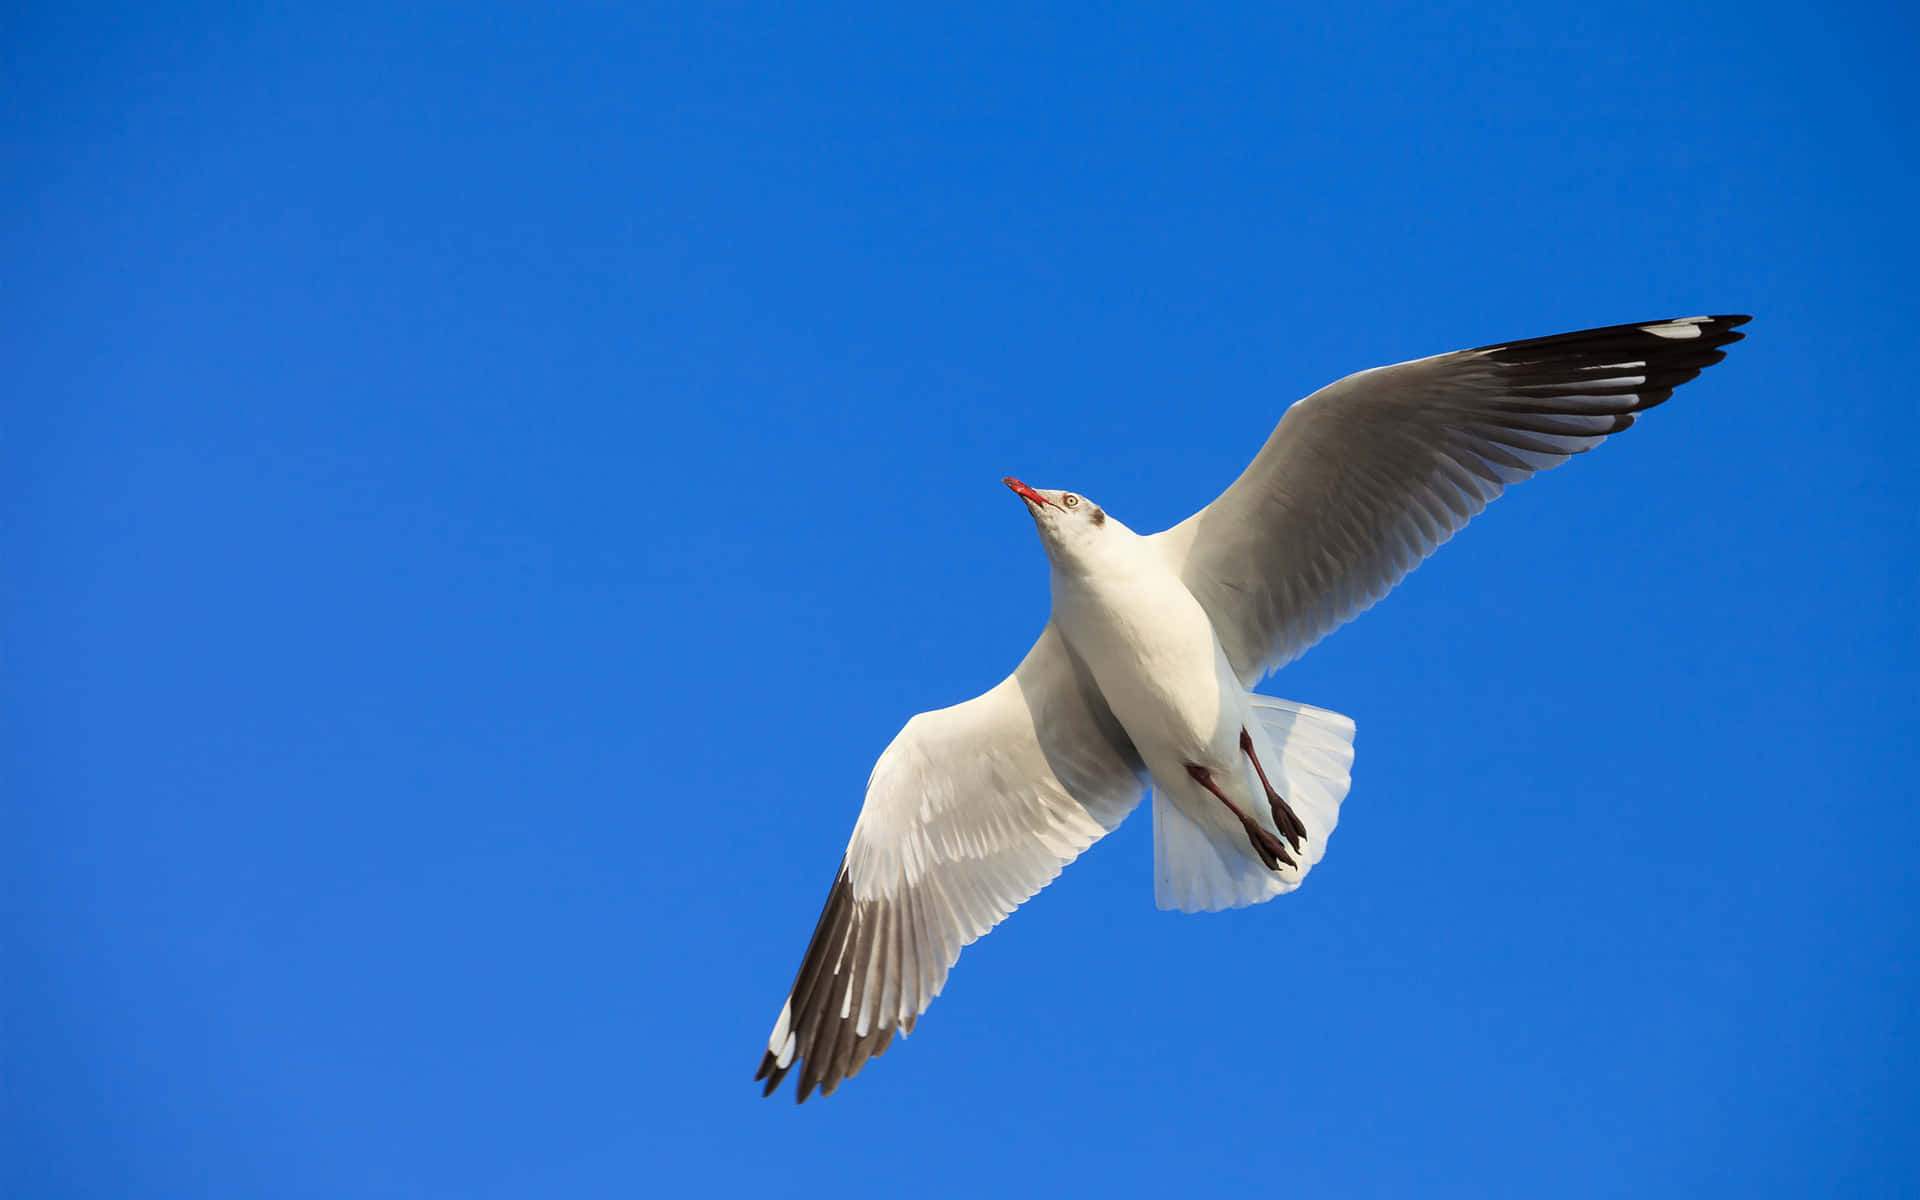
[{"x": 1153, "y": 653}]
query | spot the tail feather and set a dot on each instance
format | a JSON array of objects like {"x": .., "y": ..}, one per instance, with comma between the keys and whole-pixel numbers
[{"x": 1202, "y": 866}]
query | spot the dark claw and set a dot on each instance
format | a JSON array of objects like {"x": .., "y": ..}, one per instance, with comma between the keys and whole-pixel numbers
[
  {"x": 1283, "y": 814},
  {"x": 1272, "y": 850}
]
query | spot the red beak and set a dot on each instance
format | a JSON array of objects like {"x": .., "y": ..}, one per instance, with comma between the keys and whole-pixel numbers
[{"x": 1026, "y": 493}]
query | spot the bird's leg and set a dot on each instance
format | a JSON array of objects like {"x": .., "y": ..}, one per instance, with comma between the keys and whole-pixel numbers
[
  {"x": 1271, "y": 849},
  {"x": 1283, "y": 814}
]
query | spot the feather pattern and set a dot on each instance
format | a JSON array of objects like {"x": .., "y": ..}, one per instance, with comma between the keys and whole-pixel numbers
[
  {"x": 969, "y": 812},
  {"x": 1366, "y": 477}
]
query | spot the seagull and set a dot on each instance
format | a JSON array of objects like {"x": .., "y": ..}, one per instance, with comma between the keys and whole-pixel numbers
[{"x": 1141, "y": 679}]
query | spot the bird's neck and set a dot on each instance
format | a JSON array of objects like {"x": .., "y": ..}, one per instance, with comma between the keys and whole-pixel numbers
[{"x": 1109, "y": 572}]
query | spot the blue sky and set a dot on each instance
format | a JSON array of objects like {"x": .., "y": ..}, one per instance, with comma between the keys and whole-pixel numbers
[{"x": 483, "y": 484}]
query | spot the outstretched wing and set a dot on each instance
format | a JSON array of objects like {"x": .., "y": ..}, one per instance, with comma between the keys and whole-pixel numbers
[
  {"x": 1366, "y": 477},
  {"x": 971, "y": 810}
]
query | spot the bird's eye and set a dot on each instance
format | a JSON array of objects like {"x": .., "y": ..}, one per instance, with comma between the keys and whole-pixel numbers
[{"x": 1069, "y": 499}]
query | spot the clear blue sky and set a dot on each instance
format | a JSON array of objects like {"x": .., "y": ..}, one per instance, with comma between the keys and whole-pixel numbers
[{"x": 483, "y": 484}]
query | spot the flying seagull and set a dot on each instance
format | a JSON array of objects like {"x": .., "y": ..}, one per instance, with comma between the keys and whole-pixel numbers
[{"x": 1141, "y": 677}]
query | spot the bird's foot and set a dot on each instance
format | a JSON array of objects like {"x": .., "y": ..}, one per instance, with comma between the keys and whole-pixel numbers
[
  {"x": 1283, "y": 814},
  {"x": 1272, "y": 851}
]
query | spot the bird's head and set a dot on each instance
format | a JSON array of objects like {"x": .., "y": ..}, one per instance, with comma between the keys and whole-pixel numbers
[{"x": 1072, "y": 527}]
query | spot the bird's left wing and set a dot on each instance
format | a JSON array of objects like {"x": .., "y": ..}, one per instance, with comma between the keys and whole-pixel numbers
[
  {"x": 971, "y": 810},
  {"x": 1366, "y": 477}
]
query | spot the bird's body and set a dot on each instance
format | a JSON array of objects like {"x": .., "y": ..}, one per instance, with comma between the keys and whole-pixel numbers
[
  {"x": 1152, "y": 652},
  {"x": 1142, "y": 676},
  {"x": 1151, "y": 649}
]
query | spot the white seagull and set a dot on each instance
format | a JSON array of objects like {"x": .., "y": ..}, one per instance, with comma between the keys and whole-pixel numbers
[{"x": 1140, "y": 678}]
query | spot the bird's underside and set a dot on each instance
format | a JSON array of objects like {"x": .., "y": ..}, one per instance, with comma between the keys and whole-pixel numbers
[{"x": 974, "y": 808}]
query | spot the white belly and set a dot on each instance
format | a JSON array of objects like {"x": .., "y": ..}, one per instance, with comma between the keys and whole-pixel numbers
[{"x": 1153, "y": 653}]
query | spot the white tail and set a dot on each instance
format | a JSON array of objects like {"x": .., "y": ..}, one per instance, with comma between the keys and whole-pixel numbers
[{"x": 1199, "y": 867}]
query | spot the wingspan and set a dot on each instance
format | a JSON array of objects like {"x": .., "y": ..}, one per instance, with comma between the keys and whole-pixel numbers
[
  {"x": 1365, "y": 478},
  {"x": 970, "y": 811}
]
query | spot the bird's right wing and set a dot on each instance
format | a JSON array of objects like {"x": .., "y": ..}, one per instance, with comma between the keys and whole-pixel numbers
[
  {"x": 1366, "y": 477},
  {"x": 971, "y": 810}
]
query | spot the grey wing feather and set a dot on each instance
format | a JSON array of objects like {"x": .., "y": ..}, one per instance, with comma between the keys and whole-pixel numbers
[{"x": 1365, "y": 478}]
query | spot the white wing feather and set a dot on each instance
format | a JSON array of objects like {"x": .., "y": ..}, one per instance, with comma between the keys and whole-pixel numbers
[{"x": 970, "y": 811}]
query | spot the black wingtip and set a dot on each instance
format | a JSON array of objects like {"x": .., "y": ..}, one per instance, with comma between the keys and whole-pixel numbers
[
  {"x": 771, "y": 1071},
  {"x": 1658, "y": 355},
  {"x": 1716, "y": 330},
  {"x": 1722, "y": 325},
  {"x": 827, "y": 1047}
]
